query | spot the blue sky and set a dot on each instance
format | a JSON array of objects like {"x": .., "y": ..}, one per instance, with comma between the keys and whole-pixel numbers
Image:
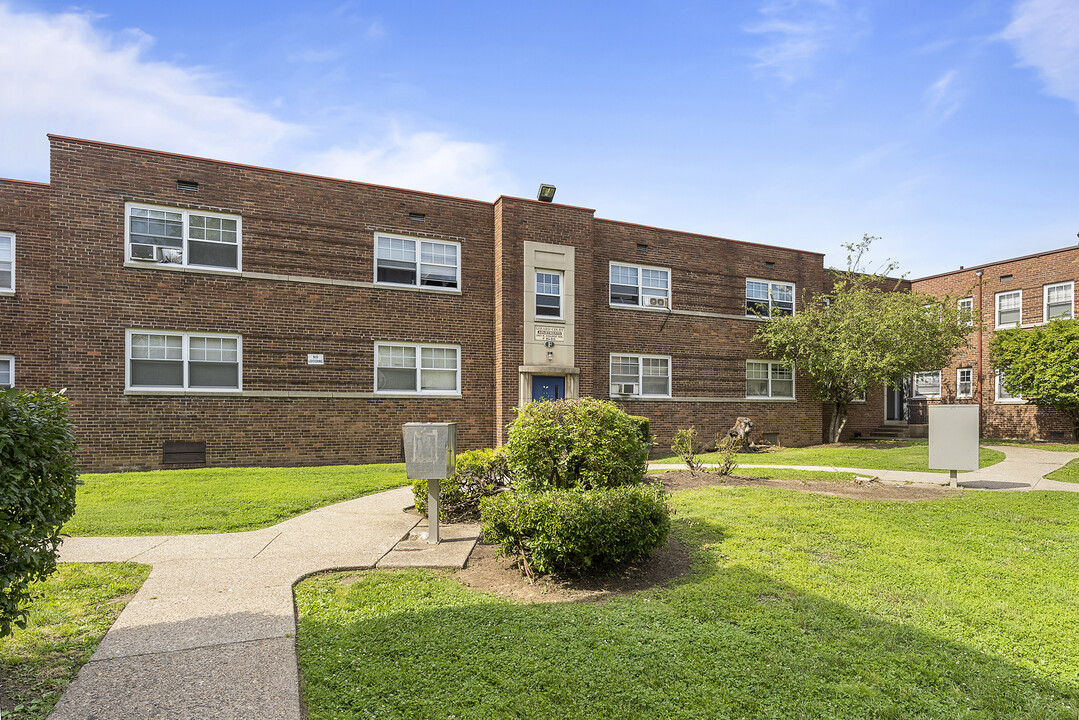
[{"x": 951, "y": 129}]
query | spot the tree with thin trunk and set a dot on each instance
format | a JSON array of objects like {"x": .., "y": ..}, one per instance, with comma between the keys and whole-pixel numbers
[
  {"x": 1041, "y": 364},
  {"x": 864, "y": 333}
]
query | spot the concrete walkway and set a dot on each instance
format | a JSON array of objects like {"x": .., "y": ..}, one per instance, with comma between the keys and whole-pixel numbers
[
  {"x": 211, "y": 633},
  {"x": 1022, "y": 469}
]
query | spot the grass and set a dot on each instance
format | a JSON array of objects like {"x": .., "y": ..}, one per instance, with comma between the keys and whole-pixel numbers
[
  {"x": 1068, "y": 473},
  {"x": 74, "y": 609},
  {"x": 781, "y": 474},
  {"x": 798, "y": 606},
  {"x": 892, "y": 455},
  {"x": 216, "y": 500},
  {"x": 1051, "y": 447}
]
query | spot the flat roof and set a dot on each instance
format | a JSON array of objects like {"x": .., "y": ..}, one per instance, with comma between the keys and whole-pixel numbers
[{"x": 973, "y": 268}]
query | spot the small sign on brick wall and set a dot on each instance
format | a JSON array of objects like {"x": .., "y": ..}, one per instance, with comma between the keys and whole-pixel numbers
[
  {"x": 316, "y": 359},
  {"x": 547, "y": 332}
]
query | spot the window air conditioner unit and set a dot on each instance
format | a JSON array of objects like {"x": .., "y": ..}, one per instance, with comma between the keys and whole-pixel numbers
[
  {"x": 142, "y": 252},
  {"x": 657, "y": 302},
  {"x": 623, "y": 388}
]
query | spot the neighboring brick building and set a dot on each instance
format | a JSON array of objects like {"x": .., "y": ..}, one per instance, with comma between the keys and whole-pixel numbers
[
  {"x": 1024, "y": 291},
  {"x": 207, "y": 312}
]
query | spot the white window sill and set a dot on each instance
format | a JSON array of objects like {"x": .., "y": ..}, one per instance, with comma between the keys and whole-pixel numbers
[
  {"x": 415, "y": 395},
  {"x": 622, "y": 306},
  {"x": 181, "y": 391},
  {"x": 925, "y": 397},
  {"x": 1018, "y": 401},
  {"x": 7, "y": 293},
  {"x": 421, "y": 288},
  {"x": 640, "y": 397},
  {"x": 172, "y": 267},
  {"x": 770, "y": 399}
]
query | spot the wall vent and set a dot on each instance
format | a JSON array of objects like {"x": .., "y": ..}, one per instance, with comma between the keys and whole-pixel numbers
[
  {"x": 183, "y": 453},
  {"x": 187, "y": 185},
  {"x": 642, "y": 246},
  {"x": 417, "y": 217},
  {"x": 769, "y": 264},
  {"x": 1005, "y": 278}
]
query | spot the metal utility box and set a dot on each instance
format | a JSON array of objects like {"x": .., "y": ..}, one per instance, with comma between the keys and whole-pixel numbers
[
  {"x": 953, "y": 438},
  {"x": 430, "y": 450},
  {"x": 431, "y": 455}
]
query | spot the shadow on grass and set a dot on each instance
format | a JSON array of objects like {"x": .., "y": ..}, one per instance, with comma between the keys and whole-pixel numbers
[{"x": 725, "y": 642}]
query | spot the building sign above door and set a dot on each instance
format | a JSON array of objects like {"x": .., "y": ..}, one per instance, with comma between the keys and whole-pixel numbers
[{"x": 547, "y": 332}]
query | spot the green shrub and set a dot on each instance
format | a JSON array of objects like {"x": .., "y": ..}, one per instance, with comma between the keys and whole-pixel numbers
[
  {"x": 644, "y": 427},
  {"x": 477, "y": 474},
  {"x": 581, "y": 443},
  {"x": 38, "y": 477},
  {"x": 686, "y": 447},
  {"x": 727, "y": 447},
  {"x": 575, "y": 531}
]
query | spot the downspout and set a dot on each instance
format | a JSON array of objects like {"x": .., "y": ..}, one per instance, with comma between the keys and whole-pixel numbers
[{"x": 980, "y": 330}]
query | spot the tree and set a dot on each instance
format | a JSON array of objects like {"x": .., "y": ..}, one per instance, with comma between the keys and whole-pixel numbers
[
  {"x": 38, "y": 478},
  {"x": 864, "y": 333},
  {"x": 1042, "y": 364}
]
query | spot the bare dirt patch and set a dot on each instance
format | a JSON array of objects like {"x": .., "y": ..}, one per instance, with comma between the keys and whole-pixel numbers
[
  {"x": 500, "y": 575},
  {"x": 868, "y": 489}
]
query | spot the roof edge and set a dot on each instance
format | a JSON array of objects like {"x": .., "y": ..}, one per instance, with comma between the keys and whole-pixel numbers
[
  {"x": 708, "y": 237},
  {"x": 24, "y": 182},
  {"x": 982, "y": 266}
]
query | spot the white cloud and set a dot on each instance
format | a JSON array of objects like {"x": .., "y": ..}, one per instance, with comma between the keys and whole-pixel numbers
[
  {"x": 1045, "y": 35},
  {"x": 801, "y": 30},
  {"x": 61, "y": 74},
  {"x": 420, "y": 161},
  {"x": 942, "y": 97}
]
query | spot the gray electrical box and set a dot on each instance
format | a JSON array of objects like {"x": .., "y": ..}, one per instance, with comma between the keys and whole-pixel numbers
[
  {"x": 953, "y": 437},
  {"x": 430, "y": 450}
]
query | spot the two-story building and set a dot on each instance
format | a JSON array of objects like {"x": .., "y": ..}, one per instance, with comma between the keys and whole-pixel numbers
[{"x": 205, "y": 312}]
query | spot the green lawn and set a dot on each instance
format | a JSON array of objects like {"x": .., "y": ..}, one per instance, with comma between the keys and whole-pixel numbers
[
  {"x": 1068, "y": 473},
  {"x": 1051, "y": 447},
  {"x": 897, "y": 455},
  {"x": 799, "y": 606},
  {"x": 781, "y": 474},
  {"x": 74, "y": 609},
  {"x": 216, "y": 500}
]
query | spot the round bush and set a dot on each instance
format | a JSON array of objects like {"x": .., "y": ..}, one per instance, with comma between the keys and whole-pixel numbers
[
  {"x": 574, "y": 531},
  {"x": 477, "y": 474},
  {"x": 579, "y": 443}
]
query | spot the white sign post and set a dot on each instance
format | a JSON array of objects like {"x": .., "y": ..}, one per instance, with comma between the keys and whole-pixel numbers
[{"x": 953, "y": 439}]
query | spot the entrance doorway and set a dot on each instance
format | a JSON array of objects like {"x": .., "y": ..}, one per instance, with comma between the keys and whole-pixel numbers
[
  {"x": 548, "y": 387},
  {"x": 895, "y": 405}
]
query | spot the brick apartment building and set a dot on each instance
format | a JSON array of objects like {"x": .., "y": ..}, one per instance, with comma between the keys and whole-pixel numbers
[{"x": 207, "y": 312}]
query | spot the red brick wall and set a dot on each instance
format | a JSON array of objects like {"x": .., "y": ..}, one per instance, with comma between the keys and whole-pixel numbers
[
  {"x": 1029, "y": 274},
  {"x": 24, "y": 316},
  {"x": 292, "y": 225}
]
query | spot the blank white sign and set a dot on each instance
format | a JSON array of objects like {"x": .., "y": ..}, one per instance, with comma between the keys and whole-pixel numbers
[{"x": 953, "y": 437}]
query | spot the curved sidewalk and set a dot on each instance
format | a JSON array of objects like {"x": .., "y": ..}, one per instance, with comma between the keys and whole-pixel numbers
[
  {"x": 211, "y": 633},
  {"x": 1021, "y": 470}
]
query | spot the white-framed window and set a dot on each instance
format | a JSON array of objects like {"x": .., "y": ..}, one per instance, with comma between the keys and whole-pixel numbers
[
  {"x": 964, "y": 383},
  {"x": 412, "y": 262},
  {"x": 966, "y": 307},
  {"x": 549, "y": 294},
  {"x": 417, "y": 369},
  {"x": 187, "y": 238},
  {"x": 639, "y": 286},
  {"x": 645, "y": 375},
  {"x": 925, "y": 384},
  {"x": 7, "y": 263},
  {"x": 767, "y": 379},
  {"x": 765, "y": 298},
  {"x": 1002, "y": 395},
  {"x": 1058, "y": 300},
  {"x": 7, "y": 371},
  {"x": 1009, "y": 308},
  {"x": 170, "y": 360}
]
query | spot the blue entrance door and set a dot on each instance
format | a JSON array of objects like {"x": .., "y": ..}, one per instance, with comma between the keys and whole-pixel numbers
[{"x": 548, "y": 387}]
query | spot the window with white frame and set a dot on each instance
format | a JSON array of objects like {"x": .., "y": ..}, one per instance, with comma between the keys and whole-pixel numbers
[
  {"x": 765, "y": 298},
  {"x": 926, "y": 384},
  {"x": 1009, "y": 308},
  {"x": 1059, "y": 302},
  {"x": 964, "y": 382},
  {"x": 188, "y": 238},
  {"x": 417, "y": 263},
  {"x": 7, "y": 262},
  {"x": 766, "y": 379},
  {"x": 410, "y": 368},
  {"x": 966, "y": 311},
  {"x": 640, "y": 286},
  {"x": 162, "y": 360},
  {"x": 549, "y": 294},
  {"x": 643, "y": 375},
  {"x": 1002, "y": 394},
  {"x": 7, "y": 371}
]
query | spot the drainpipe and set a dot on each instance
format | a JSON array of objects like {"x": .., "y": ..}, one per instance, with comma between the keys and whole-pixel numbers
[{"x": 978, "y": 376}]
